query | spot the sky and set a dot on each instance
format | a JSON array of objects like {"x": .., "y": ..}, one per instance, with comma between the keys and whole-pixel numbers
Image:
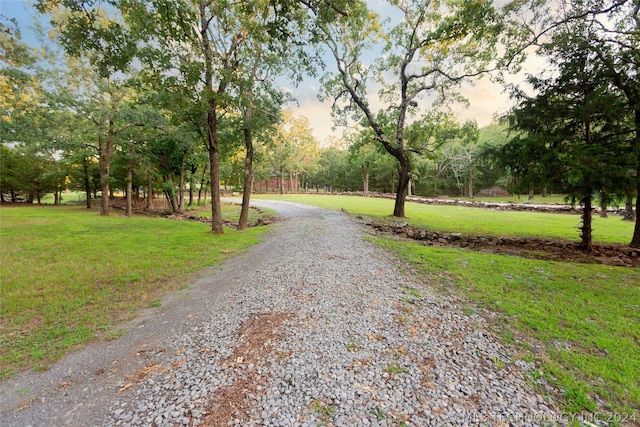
[{"x": 485, "y": 98}]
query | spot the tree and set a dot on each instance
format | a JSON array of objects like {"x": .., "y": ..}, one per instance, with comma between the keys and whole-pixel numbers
[
  {"x": 429, "y": 52},
  {"x": 610, "y": 32},
  {"x": 576, "y": 127}
]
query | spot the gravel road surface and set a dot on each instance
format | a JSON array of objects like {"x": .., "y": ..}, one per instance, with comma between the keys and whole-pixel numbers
[{"x": 313, "y": 326}]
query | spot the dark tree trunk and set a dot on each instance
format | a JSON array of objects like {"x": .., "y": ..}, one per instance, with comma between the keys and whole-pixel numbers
[
  {"x": 404, "y": 176},
  {"x": 129, "y": 190},
  {"x": 365, "y": 178},
  {"x": 192, "y": 182},
  {"x": 628, "y": 208},
  {"x": 203, "y": 180},
  {"x": 586, "y": 229},
  {"x": 281, "y": 180},
  {"x": 604, "y": 201},
  {"x": 87, "y": 183},
  {"x": 635, "y": 241},
  {"x": 181, "y": 190},
  {"x": 471, "y": 180},
  {"x": 248, "y": 171},
  {"x": 216, "y": 211},
  {"x": 170, "y": 193},
  {"x": 149, "y": 191},
  {"x": 104, "y": 177}
]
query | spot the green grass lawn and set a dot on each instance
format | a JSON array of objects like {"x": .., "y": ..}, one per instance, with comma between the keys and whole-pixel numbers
[
  {"x": 473, "y": 220},
  {"x": 69, "y": 275}
]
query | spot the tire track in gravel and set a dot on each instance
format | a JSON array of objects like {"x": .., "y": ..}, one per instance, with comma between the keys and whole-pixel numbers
[{"x": 312, "y": 326}]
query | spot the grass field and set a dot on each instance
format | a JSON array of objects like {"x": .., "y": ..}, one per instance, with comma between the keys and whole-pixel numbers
[
  {"x": 578, "y": 323},
  {"x": 473, "y": 220},
  {"x": 68, "y": 275}
]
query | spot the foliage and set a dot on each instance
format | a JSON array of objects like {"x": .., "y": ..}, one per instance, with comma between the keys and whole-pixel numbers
[
  {"x": 429, "y": 51},
  {"x": 577, "y": 129}
]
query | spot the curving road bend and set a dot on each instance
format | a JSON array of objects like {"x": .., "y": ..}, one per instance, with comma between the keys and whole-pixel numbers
[{"x": 313, "y": 326}]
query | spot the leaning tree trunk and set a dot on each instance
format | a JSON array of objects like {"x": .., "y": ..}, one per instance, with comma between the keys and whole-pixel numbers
[
  {"x": 586, "y": 230},
  {"x": 203, "y": 181}
]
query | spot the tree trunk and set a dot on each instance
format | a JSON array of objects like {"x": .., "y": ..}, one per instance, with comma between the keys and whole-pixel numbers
[
  {"x": 635, "y": 241},
  {"x": 604, "y": 201},
  {"x": 628, "y": 208},
  {"x": 281, "y": 180},
  {"x": 365, "y": 180},
  {"x": 181, "y": 190},
  {"x": 192, "y": 182},
  {"x": 170, "y": 193},
  {"x": 129, "y": 208},
  {"x": 149, "y": 194},
  {"x": 403, "y": 183},
  {"x": 104, "y": 163},
  {"x": 586, "y": 230},
  {"x": 203, "y": 180},
  {"x": 248, "y": 170},
  {"x": 471, "y": 180},
  {"x": 214, "y": 166}
]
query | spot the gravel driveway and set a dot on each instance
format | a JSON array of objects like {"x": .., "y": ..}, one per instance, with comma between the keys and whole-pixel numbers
[{"x": 313, "y": 326}]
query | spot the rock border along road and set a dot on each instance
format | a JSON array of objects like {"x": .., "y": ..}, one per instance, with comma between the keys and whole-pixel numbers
[{"x": 313, "y": 326}]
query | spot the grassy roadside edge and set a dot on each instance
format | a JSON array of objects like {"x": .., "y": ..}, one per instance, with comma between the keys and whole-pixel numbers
[
  {"x": 70, "y": 277},
  {"x": 585, "y": 354}
]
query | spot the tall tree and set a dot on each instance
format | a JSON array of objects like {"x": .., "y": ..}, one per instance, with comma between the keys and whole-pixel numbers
[
  {"x": 575, "y": 127},
  {"x": 102, "y": 45},
  {"x": 609, "y": 32},
  {"x": 433, "y": 48}
]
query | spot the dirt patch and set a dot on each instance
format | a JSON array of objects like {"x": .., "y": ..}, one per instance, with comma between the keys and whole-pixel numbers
[
  {"x": 550, "y": 249},
  {"x": 257, "y": 335}
]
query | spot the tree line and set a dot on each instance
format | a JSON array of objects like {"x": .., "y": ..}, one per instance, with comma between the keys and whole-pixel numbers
[{"x": 179, "y": 97}]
